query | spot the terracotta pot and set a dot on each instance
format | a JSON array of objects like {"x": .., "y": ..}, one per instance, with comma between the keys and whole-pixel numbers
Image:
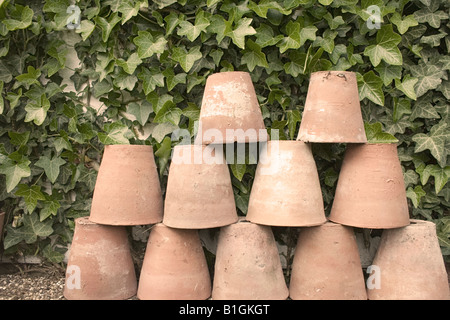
[
  {"x": 326, "y": 265},
  {"x": 332, "y": 111},
  {"x": 199, "y": 193},
  {"x": 248, "y": 265},
  {"x": 286, "y": 190},
  {"x": 370, "y": 192},
  {"x": 230, "y": 111},
  {"x": 409, "y": 265},
  {"x": 100, "y": 266},
  {"x": 174, "y": 266},
  {"x": 127, "y": 191}
]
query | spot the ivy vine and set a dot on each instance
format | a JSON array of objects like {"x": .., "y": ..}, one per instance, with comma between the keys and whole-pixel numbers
[{"x": 133, "y": 71}]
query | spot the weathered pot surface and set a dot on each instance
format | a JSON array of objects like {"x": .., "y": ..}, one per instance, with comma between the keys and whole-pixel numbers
[
  {"x": 370, "y": 191},
  {"x": 174, "y": 266},
  {"x": 230, "y": 110},
  {"x": 326, "y": 265},
  {"x": 199, "y": 193},
  {"x": 100, "y": 266},
  {"x": 127, "y": 190},
  {"x": 332, "y": 112},
  {"x": 248, "y": 265},
  {"x": 280, "y": 199},
  {"x": 409, "y": 265}
]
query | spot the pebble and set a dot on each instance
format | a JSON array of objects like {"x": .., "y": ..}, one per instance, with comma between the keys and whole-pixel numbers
[{"x": 31, "y": 287}]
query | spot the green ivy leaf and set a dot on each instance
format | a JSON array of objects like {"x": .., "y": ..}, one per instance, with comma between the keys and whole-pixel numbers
[
  {"x": 173, "y": 79},
  {"x": 238, "y": 170},
  {"x": 147, "y": 46},
  {"x": 429, "y": 77},
  {"x": 19, "y": 139},
  {"x": 385, "y": 48},
  {"x": 296, "y": 36},
  {"x": 88, "y": 177},
  {"x": 415, "y": 195},
  {"x": 37, "y": 110},
  {"x": 410, "y": 177},
  {"x": 435, "y": 142},
  {"x": 407, "y": 86},
  {"x": 253, "y": 56},
  {"x": 14, "y": 172},
  {"x": 131, "y": 64},
  {"x": 293, "y": 117},
  {"x": 220, "y": 27},
  {"x": 50, "y": 209},
  {"x": 31, "y": 195},
  {"x": 375, "y": 134},
  {"x": 265, "y": 5},
  {"x": 405, "y": 24},
  {"x": 401, "y": 107},
  {"x": 168, "y": 113},
  {"x": 371, "y": 87},
  {"x": 107, "y": 25},
  {"x": 21, "y": 18},
  {"x": 265, "y": 36},
  {"x": 141, "y": 111},
  {"x": 326, "y": 41},
  {"x": 444, "y": 88},
  {"x": 441, "y": 175},
  {"x": 151, "y": 79},
  {"x": 128, "y": 10},
  {"x": 31, "y": 77},
  {"x": 242, "y": 30},
  {"x": 31, "y": 229},
  {"x": 86, "y": 29},
  {"x": 115, "y": 133},
  {"x": 388, "y": 72},
  {"x": 163, "y": 154},
  {"x": 51, "y": 166},
  {"x": 431, "y": 16},
  {"x": 192, "y": 31},
  {"x": 186, "y": 58},
  {"x": 425, "y": 110}
]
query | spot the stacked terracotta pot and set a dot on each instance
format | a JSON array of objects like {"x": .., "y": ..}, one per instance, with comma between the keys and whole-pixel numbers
[
  {"x": 286, "y": 192},
  {"x": 370, "y": 194},
  {"x": 200, "y": 194},
  {"x": 127, "y": 193}
]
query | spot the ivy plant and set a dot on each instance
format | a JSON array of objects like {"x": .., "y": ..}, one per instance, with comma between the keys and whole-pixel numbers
[{"x": 77, "y": 76}]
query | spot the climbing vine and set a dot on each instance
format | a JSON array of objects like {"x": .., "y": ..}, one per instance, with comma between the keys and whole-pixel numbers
[{"x": 75, "y": 76}]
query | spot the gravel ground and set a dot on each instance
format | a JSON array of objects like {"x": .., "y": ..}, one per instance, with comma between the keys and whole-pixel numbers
[
  {"x": 40, "y": 282},
  {"x": 31, "y": 282}
]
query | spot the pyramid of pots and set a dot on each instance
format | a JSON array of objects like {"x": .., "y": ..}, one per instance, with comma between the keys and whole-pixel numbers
[{"x": 286, "y": 192}]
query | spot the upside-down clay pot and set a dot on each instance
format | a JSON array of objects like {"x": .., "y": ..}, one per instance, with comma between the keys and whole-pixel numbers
[
  {"x": 332, "y": 112},
  {"x": 281, "y": 199},
  {"x": 174, "y": 266},
  {"x": 199, "y": 193},
  {"x": 100, "y": 265},
  {"x": 327, "y": 265},
  {"x": 127, "y": 190},
  {"x": 409, "y": 265},
  {"x": 370, "y": 192},
  {"x": 230, "y": 111},
  {"x": 248, "y": 265}
]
